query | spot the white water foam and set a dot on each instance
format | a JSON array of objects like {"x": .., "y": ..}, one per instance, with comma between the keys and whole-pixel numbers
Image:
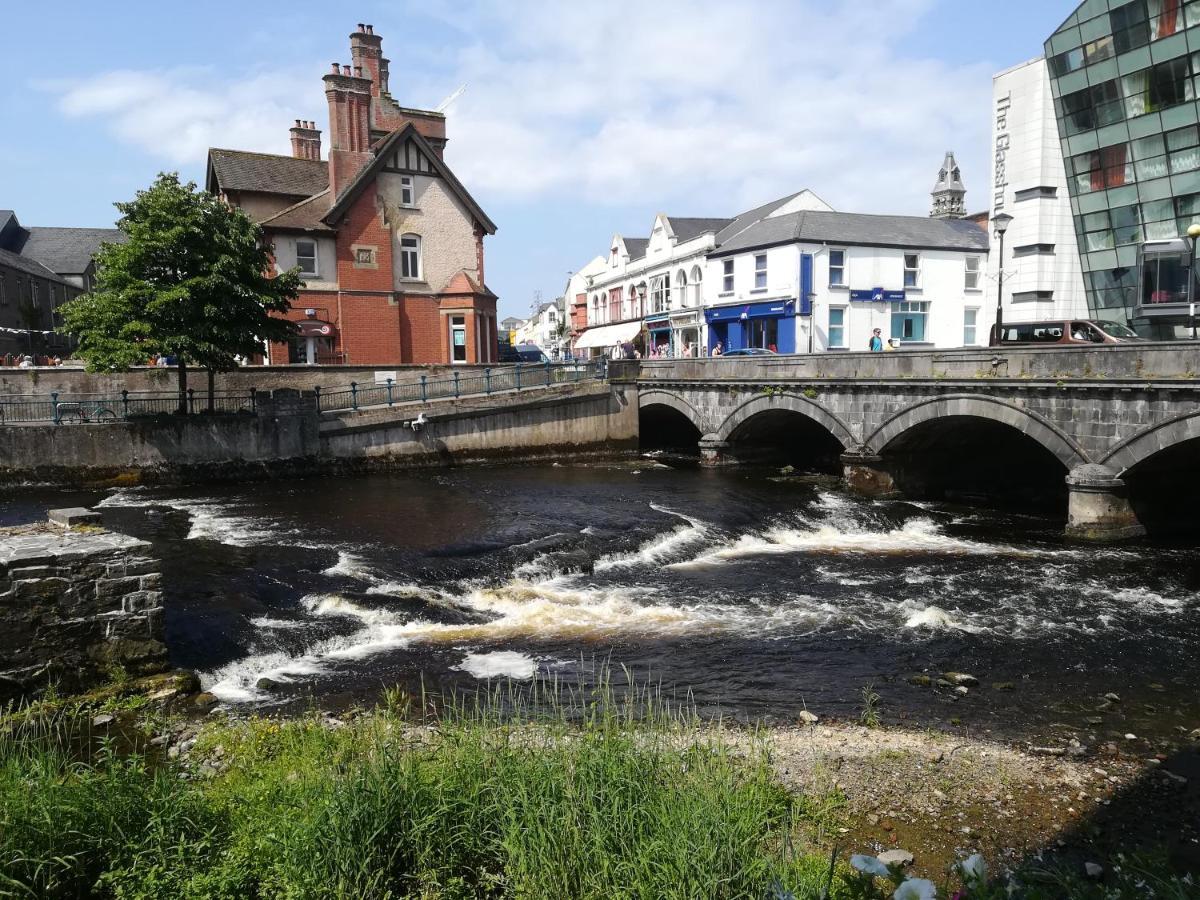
[
  {"x": 498, "y": 664},
  {"x": 661, "y": 547},
  {"x": 935, "y": 618}
]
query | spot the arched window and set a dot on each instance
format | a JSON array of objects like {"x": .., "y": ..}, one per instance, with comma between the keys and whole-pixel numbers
[
  {"x": 681, "y": 284},
  {"x": 697, "y": 279},
  {"x": 660, "y": 293},
  {"x": 631, "y": 310},
  {"x": 410, "y": 256},
  {"x": 641, "y": 300},
  {"x": 595, "y": 309}
]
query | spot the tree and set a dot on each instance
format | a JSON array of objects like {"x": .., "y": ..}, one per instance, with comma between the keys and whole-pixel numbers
[{"x": 193, "y": 282}]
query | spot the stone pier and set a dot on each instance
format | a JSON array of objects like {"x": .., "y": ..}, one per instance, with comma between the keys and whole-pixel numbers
[
  {"x": 1098, "y": 507},
  {"x": 866, "y": 475},
  {"x": 715, "y": 452},
  {"x": 74, "y": 607}
]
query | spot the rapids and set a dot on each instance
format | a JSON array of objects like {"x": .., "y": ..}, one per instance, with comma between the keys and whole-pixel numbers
[{"x": 758, "y": 595}]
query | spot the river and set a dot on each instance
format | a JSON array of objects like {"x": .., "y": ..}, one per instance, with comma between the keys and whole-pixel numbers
[{"x": 761, "y": 595}]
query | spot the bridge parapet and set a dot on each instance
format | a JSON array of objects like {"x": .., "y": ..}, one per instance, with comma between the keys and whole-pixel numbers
[{"x": 1139, "y": 362}]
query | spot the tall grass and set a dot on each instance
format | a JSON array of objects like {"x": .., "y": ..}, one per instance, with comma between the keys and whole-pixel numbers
[{"x": 592, "y": 796}]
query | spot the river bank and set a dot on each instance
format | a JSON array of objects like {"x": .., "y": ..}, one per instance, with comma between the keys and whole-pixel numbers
[{"x": 639, "y": 791}]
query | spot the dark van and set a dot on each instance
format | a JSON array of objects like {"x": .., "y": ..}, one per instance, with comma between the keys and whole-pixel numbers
[{"x": 1062, "y": 331}]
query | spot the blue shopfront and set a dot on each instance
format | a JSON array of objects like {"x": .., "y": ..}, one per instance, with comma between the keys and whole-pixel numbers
[{"x": 770, "y": 325}]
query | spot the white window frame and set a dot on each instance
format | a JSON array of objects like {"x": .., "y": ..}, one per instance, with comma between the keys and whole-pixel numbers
[
  {"x": 913, "y": 270},
  {"x": 408, "y": 191},
  {"x": 727, "y": 276},
  {"x": 760, "y": 271},
  {"x": 970, "y": 326},
  {"x": 841, "y": 327},
  {"x": 410, "y": 257},
  {"x": 840, "y": 280},
  {"x": 315, "y": 265},
  {"x": 971, "y": 275}
]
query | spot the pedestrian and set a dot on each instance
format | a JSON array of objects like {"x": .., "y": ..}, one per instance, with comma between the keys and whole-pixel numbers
[
  {"x": 717, "y": 349},
  {"x": 876, "y": 343},
  {"x": 892, "y": 344}
]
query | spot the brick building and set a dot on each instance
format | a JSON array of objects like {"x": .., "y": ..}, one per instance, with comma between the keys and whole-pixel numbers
[
  {"x": 388, "y": 240},
  {"x": 40, "y": 270}
]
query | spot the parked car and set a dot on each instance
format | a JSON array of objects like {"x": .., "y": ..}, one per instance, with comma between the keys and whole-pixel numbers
[
  {"x": 750, "y": 351},
  {"x": 1062, "y": 331},
  {"x": 522, "y": 353}
]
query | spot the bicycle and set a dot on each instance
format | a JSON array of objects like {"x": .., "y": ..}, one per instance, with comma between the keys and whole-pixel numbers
[{"x": 84, "y": 412}]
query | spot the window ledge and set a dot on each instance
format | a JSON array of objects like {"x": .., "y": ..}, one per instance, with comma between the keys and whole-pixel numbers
[
  {"x": 759, "y": 291},
  {"x": 839, "y": 287},
  {"x": 972, "y": 290},
  {"x": 837, "y": 349},
  {"x": 725, "y": 294}
]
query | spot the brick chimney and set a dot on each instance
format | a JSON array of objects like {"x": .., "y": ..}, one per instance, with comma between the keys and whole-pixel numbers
[
  {"x": 306, "y": 140},
  {"x": 349, "y": 97},
  {"x": 366, "y": 53}
]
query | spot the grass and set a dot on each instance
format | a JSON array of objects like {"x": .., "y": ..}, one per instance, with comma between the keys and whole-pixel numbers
[
  {"x": 601, "y": 797},
  {"x": 566, "y": 795}
]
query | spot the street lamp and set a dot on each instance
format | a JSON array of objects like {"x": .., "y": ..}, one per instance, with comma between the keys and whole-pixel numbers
[
  {"x": 1193, "y": 232},
  {"x": 1001, "y": 223}
]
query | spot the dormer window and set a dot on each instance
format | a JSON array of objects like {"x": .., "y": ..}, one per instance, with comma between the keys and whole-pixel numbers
[{"x": 407, "y": 192}]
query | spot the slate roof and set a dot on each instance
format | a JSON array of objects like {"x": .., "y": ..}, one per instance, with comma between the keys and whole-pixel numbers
[
  {"x": 303, "y": 216},
  {"x": 743, "y": 220},
  {"x": 28, "y": 266},
  {"x": 636, "y": 247},
  {"x": 858, "y": 229},
  {"x": 68, "y": 251},
  {"x": 268, "y": 173},
  {"x": 687, "y": 229}
]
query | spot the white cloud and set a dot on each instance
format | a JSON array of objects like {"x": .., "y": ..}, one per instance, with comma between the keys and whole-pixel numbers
[{"x": 700, "y": 107}]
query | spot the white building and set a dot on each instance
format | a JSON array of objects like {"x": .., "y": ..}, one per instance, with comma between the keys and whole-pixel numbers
[
  {"x": 793, "y": 276},
  {"x": 1042, "y": 273},
  {"x": 545, "y": 328}
]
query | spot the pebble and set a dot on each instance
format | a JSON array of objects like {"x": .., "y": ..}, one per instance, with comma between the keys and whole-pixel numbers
[
  {"x": 807, "y": 718},
  {"x": 895, "y": 858},
  {"x": 962, "y": 690},
  {"x": 102, "y": 720},
  {"x": 1112, "y": 698},
  {"x": 1131, "y": 737},
  {"x": 1093, "y": 870}
]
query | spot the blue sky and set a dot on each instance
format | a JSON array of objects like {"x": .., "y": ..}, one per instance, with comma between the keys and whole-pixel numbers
[{"x": 579, "y": 119}]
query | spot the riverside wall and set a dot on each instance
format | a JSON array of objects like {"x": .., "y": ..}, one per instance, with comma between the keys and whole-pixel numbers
[{"x": 75, "y": 607}]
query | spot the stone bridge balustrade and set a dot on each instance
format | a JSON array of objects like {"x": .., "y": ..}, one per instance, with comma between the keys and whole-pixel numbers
[{"x": 1097, "y": 411}]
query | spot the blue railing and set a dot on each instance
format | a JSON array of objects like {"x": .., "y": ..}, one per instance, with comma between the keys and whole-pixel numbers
[
  {"x": 473, "y": 383},
  {"x": 67, "y": 409}
]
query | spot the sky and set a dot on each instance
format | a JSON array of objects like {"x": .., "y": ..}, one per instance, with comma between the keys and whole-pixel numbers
[{"x": 579, "y": 119}]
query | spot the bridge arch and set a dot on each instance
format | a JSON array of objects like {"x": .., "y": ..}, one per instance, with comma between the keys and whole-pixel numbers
[
  {"x": 660, "y": 397},
  {"x": 1150, "y": 441},
  {"x": 795, "y": 403},
  {"x": 1045, "y": 433}
]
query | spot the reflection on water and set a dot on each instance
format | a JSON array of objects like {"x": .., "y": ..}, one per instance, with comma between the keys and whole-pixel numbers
[{"x": 760, "y": 596}]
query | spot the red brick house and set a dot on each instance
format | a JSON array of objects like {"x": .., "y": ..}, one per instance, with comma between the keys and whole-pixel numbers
[{"x": 389, "y": 241}]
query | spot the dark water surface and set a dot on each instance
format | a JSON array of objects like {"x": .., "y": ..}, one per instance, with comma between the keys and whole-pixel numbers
[{"x": 762, "y": 596}]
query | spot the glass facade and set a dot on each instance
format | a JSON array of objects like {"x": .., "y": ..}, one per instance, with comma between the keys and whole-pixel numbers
[{"x": 1125, "y": 77}]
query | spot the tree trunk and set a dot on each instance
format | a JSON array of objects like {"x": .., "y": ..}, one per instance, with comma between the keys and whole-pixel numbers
[
  {"x": 211, "y": 393},
  {"x": 183, "y": 404}
]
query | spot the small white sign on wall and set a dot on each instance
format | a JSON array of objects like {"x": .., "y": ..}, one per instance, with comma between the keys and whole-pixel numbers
[{"x": 382, "y": 377}]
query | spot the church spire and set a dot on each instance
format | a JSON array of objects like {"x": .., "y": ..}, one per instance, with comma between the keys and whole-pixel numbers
[{"x": 949, "y": 191}]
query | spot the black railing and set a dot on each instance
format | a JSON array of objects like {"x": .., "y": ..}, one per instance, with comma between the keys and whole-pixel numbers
[
  {"x": 64, "y": 409},
  {"x": 471, "y": 383}
]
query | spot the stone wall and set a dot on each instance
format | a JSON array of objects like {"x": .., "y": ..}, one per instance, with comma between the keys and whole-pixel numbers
[
  {"x": 71, "y": 380},
  {"x": 74, "y": 607}
]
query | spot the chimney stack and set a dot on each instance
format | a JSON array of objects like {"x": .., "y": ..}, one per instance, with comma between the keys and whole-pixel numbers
[
  {"x": 306, "y": 140},
  {"x": 366, "y": 53},
  {"x": 349, "y": 99}
]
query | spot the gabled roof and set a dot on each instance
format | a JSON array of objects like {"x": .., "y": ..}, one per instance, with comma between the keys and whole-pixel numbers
[
  {"x": 462, "y": 283},
  {"x": 636, "y": 247},
  {"x": 68, "y": 251},
  {"x": 743, "y": 220},
  {"x": 303, "y": 216},
  {"x": 266, "y": 173},
  {"x": 687, "y": 229},
  {"x": 858, "y": 229},
  {"x": 382, "y": 151},
  {"x": 28, "y": 266}
]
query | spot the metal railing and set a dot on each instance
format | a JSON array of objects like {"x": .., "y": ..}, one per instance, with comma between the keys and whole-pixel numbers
[
  {"x": 473, "y": 383},
  {"x": 65, "y": 409}
]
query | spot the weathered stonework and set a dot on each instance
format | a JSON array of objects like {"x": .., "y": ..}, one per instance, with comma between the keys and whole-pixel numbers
[{"x": 74, "y": 606}]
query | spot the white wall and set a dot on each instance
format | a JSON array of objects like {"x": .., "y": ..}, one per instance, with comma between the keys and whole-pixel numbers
[
  {"x": 1026, "y": 153},
  {"x": 285, "y": 258}
]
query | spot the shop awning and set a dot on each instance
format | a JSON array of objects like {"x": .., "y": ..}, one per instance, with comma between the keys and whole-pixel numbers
[{"x": 608, "y": 335}]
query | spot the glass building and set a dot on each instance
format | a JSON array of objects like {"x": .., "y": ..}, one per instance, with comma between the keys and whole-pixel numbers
[{"x": 1125, "y": 78}]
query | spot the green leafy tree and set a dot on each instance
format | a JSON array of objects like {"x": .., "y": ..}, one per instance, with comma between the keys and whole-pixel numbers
[{"x": 193, "y": 281}]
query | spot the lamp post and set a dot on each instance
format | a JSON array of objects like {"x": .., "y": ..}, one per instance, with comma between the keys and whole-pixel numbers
[
  {"x": 1001, "y": 223},
  {"x": 1193, "y": 232}
]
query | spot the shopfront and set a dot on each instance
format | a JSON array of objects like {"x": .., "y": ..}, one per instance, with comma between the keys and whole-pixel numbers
[
  {"x": 658, "y": 340},
  {"x": 312, "y": 343},
  {"x": 769, "y": 326},
  {"x": 685, "y": 333}
]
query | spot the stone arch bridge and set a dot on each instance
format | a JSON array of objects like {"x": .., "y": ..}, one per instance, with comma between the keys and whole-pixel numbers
[{"x": 1103, "y": 413}]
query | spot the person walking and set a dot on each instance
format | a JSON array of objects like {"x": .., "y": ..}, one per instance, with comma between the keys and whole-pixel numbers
[
  {"x": 876, "y": 343},
  {"x": 717, "y": 351}
]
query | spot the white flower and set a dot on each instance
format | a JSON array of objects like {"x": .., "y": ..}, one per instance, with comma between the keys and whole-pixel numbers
[
  {"x": 974, "y": 869},
  {"x": 916, "y": 889},
  {"x": 869, "y": 865}
]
